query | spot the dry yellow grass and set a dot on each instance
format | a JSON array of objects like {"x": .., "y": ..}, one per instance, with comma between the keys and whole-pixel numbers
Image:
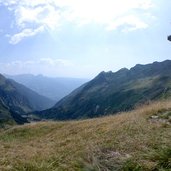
[{"x": 122, "y": 142}]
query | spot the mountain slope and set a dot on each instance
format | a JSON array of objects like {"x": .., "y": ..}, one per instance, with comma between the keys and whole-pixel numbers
[
  {"x": 135, "y": 141},
  {"x": 16, "y": 100},
  {"x": 9, "y": 117},
  {"x": 36, "y": 101},
  {"x": 20, "y": 98},
  {"x": 53, "y": 88},
  {"x": 5, "y": 115},
  {"x": 114, "y": 92}
]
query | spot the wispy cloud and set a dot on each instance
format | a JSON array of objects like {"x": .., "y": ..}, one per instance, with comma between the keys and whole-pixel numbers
[
  {"x": 43, "y": 61},
  {"x": 55, "y": 62},
  {"x": 32, "y": 15},
  {"x": 47, "y": 66},
  {"x": 104, "y": 11},
  {"x": 16, "y": 38},
  {"x": 130, "y": 23}
]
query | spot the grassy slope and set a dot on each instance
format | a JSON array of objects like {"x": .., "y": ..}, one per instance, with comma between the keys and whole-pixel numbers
[{"x": 129, "y": 141}]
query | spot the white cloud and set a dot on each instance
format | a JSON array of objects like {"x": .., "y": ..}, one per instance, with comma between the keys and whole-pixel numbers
[
  {"x": 55, "y": 62},
  {"x": 50, "y": 14},
  {"x": 46, "y": 15},
  {"x": 24, "y": 33},
  {"x": 103, "y": 11},
  {"x": 130, "y": 22},
  {"x": 27, "y": 15}
]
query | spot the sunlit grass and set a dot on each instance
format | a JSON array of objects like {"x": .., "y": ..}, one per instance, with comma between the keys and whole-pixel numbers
[{"x": 127, "y": 141}]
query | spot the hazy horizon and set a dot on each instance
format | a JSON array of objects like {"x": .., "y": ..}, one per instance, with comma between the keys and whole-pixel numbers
[
  {"x": 88, "y": 78},
  {"x": 79, "y": 39},
  {"x": 46, "y": 76}
]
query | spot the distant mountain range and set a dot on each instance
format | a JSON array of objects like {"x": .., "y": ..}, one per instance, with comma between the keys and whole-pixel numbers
[
  {"x": 53, "y": 88},
  {"x": 112, "y": 92},
  {"x": 17, "y": 100}
]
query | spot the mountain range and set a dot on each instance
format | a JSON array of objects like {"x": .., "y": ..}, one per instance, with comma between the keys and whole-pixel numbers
[
  {"x": 53, "y": 88},
  {"x": 108, "y": 93},
  {"x": 112, "y": 92}
]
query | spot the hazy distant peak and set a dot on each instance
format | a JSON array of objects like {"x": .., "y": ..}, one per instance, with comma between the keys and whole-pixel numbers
[{"x": 51, "y": 87}]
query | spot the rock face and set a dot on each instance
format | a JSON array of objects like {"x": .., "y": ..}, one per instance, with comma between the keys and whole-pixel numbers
[{"x": 112, "y": 92}]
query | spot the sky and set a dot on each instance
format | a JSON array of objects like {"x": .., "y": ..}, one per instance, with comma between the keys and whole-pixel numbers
[{"x": 81, "y": 38}]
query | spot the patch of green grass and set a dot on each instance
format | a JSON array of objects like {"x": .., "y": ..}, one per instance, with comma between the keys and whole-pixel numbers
[
  {"x": 142, "y": 83},
  {"x": 132, "y": 166},
  {"x": 165, "y": 115},
  {"x": 163, "y": 158},
  {"x": 26, "y": 133},
  {"x": 159, "y": 160}
]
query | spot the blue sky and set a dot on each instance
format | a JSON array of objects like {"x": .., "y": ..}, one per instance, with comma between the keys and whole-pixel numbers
[{"x": 80, "y": 38}]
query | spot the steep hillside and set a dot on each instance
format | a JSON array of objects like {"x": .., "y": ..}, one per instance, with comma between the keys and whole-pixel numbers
[
  {"x": 114, "y": 92},
  {"x": 134, "y": 141},
  {"x": 20, "y": 99},
  {"x": 53, "y": 88},
  {"x": 5, "y": 115},
  {"x": 9, "y": 117},
  {"x": 36, "y": 101}
]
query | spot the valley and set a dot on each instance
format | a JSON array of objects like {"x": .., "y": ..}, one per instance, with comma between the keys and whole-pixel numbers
[
  {"x": 52, "y": 88},
  {"x": 118, "y": 121}
]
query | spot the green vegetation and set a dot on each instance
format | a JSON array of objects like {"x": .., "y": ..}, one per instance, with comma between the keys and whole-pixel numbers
[
  {"x": 17, "y": 100},
  {"x": 115, "y": 92},
  {"x": 132, "y": 141},
  {"x": 5, "y": 116},
  {"x": 20, "y": 99}
]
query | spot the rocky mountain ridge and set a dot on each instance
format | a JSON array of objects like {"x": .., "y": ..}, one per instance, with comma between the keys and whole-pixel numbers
[{"x": 112, "y": 92}]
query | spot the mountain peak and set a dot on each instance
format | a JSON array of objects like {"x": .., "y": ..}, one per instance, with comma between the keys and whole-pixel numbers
[{"x": 112, "y": 92}]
